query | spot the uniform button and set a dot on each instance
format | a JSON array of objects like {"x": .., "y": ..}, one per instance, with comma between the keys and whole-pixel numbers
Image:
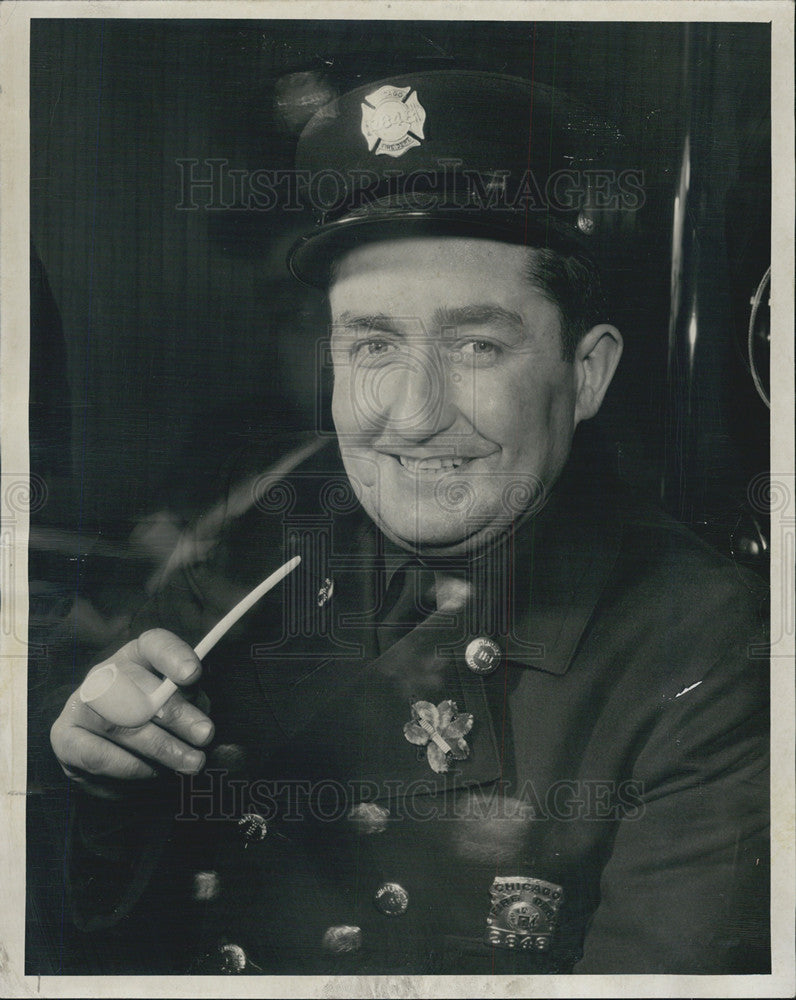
[
  {"x": 233, "y": 958},
  {"x": 342, "y": 939},
  {"x": 252, "y": 828},
  {"x": 482, "y": 655},
  {"x": 391, "y": 899},
  {"x": 369, "y": 817},
  {"x": 206, "y": 886}
]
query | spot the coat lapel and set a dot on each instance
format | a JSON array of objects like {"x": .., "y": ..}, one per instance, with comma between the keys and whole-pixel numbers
[{"x": 342, "y": 707}]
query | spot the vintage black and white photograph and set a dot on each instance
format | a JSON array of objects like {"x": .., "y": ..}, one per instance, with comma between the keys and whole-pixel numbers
[{"x": 402, "y": 517}]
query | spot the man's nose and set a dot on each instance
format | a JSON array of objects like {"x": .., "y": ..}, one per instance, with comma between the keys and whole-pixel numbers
[{"x": 412, "y": 396}]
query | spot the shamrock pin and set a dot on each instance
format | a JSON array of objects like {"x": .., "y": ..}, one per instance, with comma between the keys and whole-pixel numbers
[{"x": 441, "y": 730}]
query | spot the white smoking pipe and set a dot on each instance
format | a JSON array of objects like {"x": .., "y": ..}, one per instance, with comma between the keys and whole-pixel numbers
[{"x": 121, "y": 701}]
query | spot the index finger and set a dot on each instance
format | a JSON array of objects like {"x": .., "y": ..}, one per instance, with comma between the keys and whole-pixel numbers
[
  {"x": 180, "y": 716},
  {"x": 167, "y": 653}
]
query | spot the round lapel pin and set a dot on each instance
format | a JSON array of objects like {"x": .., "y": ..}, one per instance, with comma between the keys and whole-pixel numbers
[{"x": 482, "y": 656}]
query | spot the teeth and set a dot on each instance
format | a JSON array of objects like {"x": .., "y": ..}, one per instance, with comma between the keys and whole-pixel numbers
[{"x": 429, "y": 464}]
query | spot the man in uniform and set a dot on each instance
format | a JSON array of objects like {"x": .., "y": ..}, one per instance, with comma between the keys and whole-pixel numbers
[{"x": 504, "y": 717}]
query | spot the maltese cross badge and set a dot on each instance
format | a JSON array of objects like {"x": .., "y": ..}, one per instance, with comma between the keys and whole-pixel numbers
[{"x": 392, "y": 120}]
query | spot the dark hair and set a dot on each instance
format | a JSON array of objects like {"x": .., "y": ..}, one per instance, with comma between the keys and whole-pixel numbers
[{"x": 571, "y": 281}]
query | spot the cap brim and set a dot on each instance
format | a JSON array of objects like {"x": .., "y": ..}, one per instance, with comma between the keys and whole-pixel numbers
[{"x": 310, "y": 258}]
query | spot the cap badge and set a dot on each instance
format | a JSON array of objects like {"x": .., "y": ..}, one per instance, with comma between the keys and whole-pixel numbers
[
  {"x": 441, "y": 730},
  {"x": 392, "y": 120}
]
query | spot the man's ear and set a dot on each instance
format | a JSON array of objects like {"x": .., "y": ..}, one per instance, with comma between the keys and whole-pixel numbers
[{"x": 596, "y": 358}]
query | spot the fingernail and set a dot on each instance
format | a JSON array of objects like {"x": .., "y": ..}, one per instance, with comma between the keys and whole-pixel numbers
[
  {"x": 192, "y": 762},
  {"x": 187, "y": 670},
  {"x": 200, "y": 731}
]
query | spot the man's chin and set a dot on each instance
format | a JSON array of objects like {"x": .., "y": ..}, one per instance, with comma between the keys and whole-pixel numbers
[{"x": 438, "y": 539}]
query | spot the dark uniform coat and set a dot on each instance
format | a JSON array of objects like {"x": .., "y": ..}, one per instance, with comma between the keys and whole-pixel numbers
[{"x": 610, "y": 814}]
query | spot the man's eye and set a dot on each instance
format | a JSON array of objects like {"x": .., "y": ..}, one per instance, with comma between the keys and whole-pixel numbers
[
  {"x": 480, "y": 350},
  {"x": 374, "y": 347},
  {"x": 373, "y": 350}
]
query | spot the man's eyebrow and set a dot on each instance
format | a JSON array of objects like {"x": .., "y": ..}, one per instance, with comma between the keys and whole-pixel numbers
[
  {"x": 479, "y": 314},
  {"x": 378, "y": 321},
  {"x": 445, "y": 318}
]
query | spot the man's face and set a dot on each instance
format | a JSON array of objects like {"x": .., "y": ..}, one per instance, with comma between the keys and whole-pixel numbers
[{"x": 451, "y": 400}]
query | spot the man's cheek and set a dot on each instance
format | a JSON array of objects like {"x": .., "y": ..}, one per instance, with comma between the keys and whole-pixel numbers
[
  {"x": 355, "y": 403},
  {"x": 362, "y": 471},
  {"x": 338, "y": 394},
  {"x": 343, "y": 412},
  {"x": 536, "y": 411}
]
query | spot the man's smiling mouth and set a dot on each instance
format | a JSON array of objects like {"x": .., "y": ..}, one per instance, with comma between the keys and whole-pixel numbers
[{"x": 430, "y": 465}]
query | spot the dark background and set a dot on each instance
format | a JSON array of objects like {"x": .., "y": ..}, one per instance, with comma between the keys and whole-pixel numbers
[
  {"x": 182, "y": 329},
  {"x": 165, "y": 340}
]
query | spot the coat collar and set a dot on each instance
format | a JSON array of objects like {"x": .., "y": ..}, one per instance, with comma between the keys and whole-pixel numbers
[
  {"x": 324, "y": 673},
  {"x": 536, "y": 587},
  {"x": 558, "y": 567}
]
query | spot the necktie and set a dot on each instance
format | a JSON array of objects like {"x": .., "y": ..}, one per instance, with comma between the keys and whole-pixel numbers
[
  {"x": 408, "y": 601},
  {"x": 415, "y": 592}
]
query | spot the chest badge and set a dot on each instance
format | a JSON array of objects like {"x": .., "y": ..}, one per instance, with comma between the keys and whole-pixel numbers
[
  {"x": 441, "y": 730},
  {"x": 523, "y": 914},
  {"x": 392, "y": 120}
]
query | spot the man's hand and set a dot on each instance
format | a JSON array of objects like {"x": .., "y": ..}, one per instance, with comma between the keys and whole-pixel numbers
[{"x": 90, "y": 749}]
